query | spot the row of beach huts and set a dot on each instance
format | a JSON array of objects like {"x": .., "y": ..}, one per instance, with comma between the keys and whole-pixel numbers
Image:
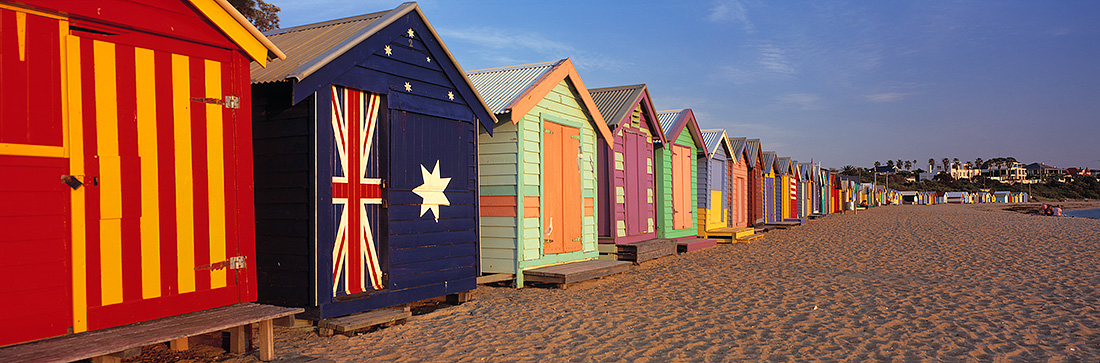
[{"x": 163, "y": 165}]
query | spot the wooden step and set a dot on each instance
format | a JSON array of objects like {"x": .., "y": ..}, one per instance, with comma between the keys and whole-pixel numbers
[
  {"x": 750, "y": 238},
  {"x": 564, "y": 274},
  {"x": 647, "y": 250},
  {"x": 488, "y": 279},
  {"x": 352, "y": 323},
  {"x": 107, "y": 344},
  {"x": 728, "y": 232},
  {"x": 685, "y": 246}
]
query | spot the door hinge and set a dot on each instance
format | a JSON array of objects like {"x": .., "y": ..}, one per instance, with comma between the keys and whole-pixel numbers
[{"x": 233, "y": 263}]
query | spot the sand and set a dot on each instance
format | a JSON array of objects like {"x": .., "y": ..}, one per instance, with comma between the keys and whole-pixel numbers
[{"x": 896, "y": 283}]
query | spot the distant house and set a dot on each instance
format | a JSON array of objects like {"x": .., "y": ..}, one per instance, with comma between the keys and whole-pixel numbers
[
  {"x": 885, "y": 169},
  {"x": 1041, "y": 170}
]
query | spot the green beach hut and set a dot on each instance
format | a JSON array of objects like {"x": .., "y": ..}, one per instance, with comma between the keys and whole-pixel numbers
[
  {"x": 677, "y": 175},
  {"x": 537, "y": 171}
]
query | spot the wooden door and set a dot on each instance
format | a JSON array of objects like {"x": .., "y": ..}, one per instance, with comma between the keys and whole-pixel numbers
[
  {"x": 35, "y": 296},
  {"x": 169, "y": 202},
  {"x": 562, "y": 202},
  {"x": 635, "y": 177},
  {"x": 681, "y": 187}
]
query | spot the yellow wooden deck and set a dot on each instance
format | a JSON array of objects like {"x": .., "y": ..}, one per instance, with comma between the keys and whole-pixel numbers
[{"x": 727, "y": 235}]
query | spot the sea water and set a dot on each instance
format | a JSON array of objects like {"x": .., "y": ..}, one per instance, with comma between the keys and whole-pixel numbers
[{"x": 1083, "y": 213}]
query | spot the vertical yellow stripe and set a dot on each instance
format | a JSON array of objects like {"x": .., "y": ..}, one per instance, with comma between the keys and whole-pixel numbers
[
  {"x": 110, "y": 173},
  {"x": 147, "y": 152},
  {"x": 215, "y": 171},
  {"x": 76, "y": 167},
  {"x": 185, "y": 192},
  {"x": 21, "y": 33}
]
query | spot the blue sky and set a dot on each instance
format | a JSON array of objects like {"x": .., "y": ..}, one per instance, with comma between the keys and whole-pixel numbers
[{"x": 840, "y": 82}]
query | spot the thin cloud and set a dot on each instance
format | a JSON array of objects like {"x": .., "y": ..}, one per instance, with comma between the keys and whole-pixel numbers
[
  {"x": 804, "y": 101},
  {"x": 519, "y": 42},
  {"x": 732, "y": 11},
  {"x": 774, "y": 60},
  {"x": 886, "y": 97}
]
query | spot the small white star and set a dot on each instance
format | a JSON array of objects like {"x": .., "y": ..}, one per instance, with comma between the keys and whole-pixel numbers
[
  {"x": 429, "y": 59},
  {"x": 432, "y": 191},
  {"x": 408, "y": 87},
  {"x": 411, "y": 33},
  {"x": 451, "y": 95},
  {"x": 388, "y": 50}
]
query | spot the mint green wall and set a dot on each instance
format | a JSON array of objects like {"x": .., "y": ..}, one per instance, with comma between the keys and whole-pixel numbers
[
  {"x": 664, "y": 183},
  {"x": 511, "y": 162}
]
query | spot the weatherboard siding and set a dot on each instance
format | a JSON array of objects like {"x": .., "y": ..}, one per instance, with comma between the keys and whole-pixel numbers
[
  {"x": 664, "y": 181},
  {"x": 498, "y": 160}
]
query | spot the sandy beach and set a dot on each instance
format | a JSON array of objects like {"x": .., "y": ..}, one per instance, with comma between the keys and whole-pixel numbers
[{"x": 899, "y": 283}]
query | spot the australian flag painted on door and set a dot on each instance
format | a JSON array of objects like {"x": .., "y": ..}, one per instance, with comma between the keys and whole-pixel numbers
[
  {"x": 356, "y": 192},
  {"x": 366, "y": 166}
]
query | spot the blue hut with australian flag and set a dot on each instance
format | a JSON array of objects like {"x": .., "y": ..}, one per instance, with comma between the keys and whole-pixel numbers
[{"x": 366, "y": 166}]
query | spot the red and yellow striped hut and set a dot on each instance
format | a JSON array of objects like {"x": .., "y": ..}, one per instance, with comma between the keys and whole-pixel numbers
[{"x": 125, "y": 150}]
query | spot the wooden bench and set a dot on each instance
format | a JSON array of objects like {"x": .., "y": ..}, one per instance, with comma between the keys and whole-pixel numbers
[
  {"x": 685, "y": 246},
  {"x": 750, "y": 238},
  {"x": 355, "y": 322},
  {"x": 565, "y": 274},
  {"x": 113, "y": 344}
]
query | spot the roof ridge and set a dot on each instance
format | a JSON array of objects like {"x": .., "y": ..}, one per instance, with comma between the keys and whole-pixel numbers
[
  {"x": 322, "y": 24},
  {"x": 616, "y": 88},
  {"x": 515, "y": 67}
]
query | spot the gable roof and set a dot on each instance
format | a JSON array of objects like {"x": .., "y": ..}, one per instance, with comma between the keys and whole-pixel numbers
[
  {"x": 515, "y": 90},
  {"x": 783, "y": 164},
  {"x": 769, "y": 162},
  {"x": 311, "y": 47},
  {"x": 675, "y": 121},
  {"x": 752, "y": 151},
  {"x": 617, "y": 105},
  {"x": 239, "y": 29},
  {"x": 737, "y": 145},
  {"x": 714, "y": 139}
]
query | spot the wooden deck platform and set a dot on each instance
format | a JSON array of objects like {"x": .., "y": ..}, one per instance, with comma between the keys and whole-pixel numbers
[
  {"x": 728, "y": 234},
  {"x": 750, "y": 238},
  {"x": 642, "y": 251},
  {"x": 685, "y": 246},
  {"x": 111, "y": 344},
  {"x": 488, "y": 279},
  {"x": 350, "y": 324},
  {"x": 569, "y": 273}
]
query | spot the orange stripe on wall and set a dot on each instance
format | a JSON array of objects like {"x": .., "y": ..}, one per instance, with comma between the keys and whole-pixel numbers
[
  {"x": 531, "y": 207},
  {"x": 498, "y": 206},
  {"x": 185, "y": 202},
  {"x": 76, "y": 167},
  {"x": 589, "y": 207},
  {"x": 215, "y": 171}
]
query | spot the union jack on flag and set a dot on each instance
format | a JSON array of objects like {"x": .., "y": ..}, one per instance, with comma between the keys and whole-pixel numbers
[{"x": 356, "y": 191}]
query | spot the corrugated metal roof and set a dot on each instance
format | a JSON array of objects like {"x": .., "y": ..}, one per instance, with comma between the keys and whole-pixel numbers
[
  {"x": 614, "y": 102},
  {"x": 712, "y": 138},
  {"x": 769, "y": 161},
  {"x": 737, "y": 144},
  {"x": 754, "y": 149},
  {"x": 668, "y": 118},
  {"x": 306, "y": 45},
  {"x": 502, "y": 85},
  {"x": 784, "y": 164}
]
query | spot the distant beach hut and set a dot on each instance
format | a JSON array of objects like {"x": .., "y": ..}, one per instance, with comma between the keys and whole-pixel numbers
[
  {"x": 676, "y": 174},
  {"x": 739, "y": 183},
  {"x": 773, "y": 207},
  {"x": 957, "y": 197},
  {"x": 538, "y": 169},
  {"x": 789, "y": 190},
  {"x": 754, "y": 155},
  {"x": 625, "y": 173},
  {"x": 910, "y": 197},
  {"x": 366, "y": 167},
  {"x": 1002, "y": 196}
]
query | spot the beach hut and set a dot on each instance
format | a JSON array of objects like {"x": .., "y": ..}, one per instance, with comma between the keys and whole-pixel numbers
[
  {"x": 723, "y": 178},
  {"x": 754, "y": 155},
  {"x": 739, "y": 185},
  {"x": 366, "y": 169},
  {"x": 126, "y": 163},
  {"x": 1002, "y": 196},
  {"x": 676, "y": 175},
  {"x": 538, "y": 170},
  {"x": 625, "y": 175},
  {"x": 957, "y": 197},
  {"x": 773, "y": 206},
  {"x": 910, "y": 197},
  {"x": 789, "y": 181}
]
